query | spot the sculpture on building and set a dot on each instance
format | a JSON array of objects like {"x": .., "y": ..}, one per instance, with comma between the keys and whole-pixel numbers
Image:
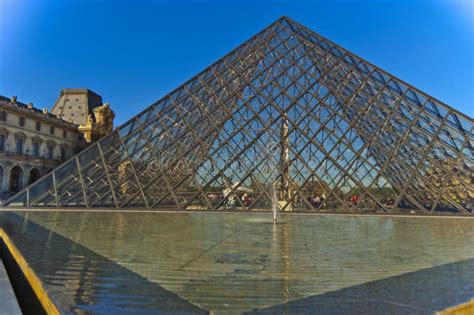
[
  {"x": 104, "y": 120},
  {"x": 99, "y": 123}
]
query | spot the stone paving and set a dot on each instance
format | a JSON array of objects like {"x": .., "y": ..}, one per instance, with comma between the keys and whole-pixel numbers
[
  {"x": 241, "y": 262},
  {"x": 9, "y": 304}
]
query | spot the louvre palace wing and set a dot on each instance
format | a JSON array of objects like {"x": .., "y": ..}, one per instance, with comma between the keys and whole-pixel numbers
[{"x": 288, "y": 119}]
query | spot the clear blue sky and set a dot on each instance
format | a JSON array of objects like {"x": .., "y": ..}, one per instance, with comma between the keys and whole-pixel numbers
[{"x": 135, "y": 52}]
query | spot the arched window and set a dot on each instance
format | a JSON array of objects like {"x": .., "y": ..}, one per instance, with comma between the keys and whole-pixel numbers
[
  {"x": 16, "y": 174},
  {"x": 33, "y": 176},
  {"x": 50, "y": 150}
]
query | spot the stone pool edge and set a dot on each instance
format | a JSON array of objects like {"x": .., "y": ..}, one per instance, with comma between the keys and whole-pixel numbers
[
  {"x": 269, "y": 212},
  {"x": 30, "y": 276}
]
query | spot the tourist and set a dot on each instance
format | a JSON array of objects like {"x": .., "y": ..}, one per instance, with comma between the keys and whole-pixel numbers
[
  {"x": 247, "y": 200},
  {"x": 231, "y": 201},
  {"x": 317, "y": 201},
  {"x": 354, "y": 200}
]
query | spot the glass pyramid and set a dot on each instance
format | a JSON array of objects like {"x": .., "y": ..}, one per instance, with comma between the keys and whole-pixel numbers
[{"x": 287, "y": 119}]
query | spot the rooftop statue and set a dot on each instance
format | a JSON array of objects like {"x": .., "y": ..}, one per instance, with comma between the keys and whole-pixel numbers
[{"x": 104, "y": 119}]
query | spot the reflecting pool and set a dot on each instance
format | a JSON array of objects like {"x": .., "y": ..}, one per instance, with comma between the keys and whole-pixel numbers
[{"x": 140, "y": 263}]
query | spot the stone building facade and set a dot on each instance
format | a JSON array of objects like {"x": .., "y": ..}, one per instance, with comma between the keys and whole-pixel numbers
[{"x": 34, "y": 141}]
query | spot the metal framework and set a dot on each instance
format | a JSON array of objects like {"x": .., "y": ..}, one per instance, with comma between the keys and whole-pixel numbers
[{"x": 287, "y": 118}]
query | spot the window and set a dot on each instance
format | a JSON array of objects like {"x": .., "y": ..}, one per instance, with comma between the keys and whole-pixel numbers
[
  {"x": 21, "y": 121},
  {"x": 51, "y": 130},
  {"x": 36, "y": 149},
  {"x": 19, "y": 145},
  {"x": 64, "y": 134},
  {"x": 50, "y": 151},
  {"x": 63, "y": 153},
  {"x": 3, "y": 115},
  {"x": 2, "y": 143},
  {"x": 38, "y": 126}
]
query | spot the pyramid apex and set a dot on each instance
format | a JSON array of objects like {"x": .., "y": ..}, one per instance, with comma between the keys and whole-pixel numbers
[{"x": 285, "y": 18}]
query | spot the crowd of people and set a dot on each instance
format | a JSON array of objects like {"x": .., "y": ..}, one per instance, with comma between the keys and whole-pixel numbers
[
  {"x": 316, "y": 201},
  {"x": 388, "y": 202},
  {"x": 246, "y": 201}
]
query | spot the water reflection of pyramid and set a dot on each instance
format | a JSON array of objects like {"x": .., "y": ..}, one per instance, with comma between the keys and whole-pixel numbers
[{"x": 287, "y": 118}]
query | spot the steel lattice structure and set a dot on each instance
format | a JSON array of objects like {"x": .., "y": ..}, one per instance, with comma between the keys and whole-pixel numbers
[{"x": 287, "y": 117}]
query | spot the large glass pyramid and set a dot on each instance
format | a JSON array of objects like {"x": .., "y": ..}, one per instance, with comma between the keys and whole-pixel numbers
[{"x": 289, "y": 120}]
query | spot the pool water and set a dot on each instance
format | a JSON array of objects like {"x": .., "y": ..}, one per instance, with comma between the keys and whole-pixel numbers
[{"x": 146, "y": 263}]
